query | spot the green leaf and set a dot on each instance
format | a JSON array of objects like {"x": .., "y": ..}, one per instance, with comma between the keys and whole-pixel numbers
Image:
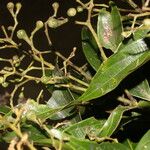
[
  {"x": 112, "y": 122},
  {"x": 144, "y": 142},
  {"x": 98, "y": 128},
  {"x": 129, "y": 144},
  {"x": 8, "y": 136},
  {"x": 142, "y": 90},
  {"x": 61, "y": 98},
  {"x": 82, "y": 128},
  {"x": 79, "y": 144},
  {"x": 109, "y": 28},
  {"x": 2, "y": 41},
  {"x": 4, "y": 109},
  {"x": 34, "y": 111},
  {"x": 104, "y": 29},
  {"x": 117, "y": 25},
  {"x": 116, "y": 68},
  {"x": 144, "y": 105},
  {"x": 112, "y": 146},
  {"x": 35, "y": 134},
  {"x": 141, "y": 33},
  {"x": 90, "y": 49}
]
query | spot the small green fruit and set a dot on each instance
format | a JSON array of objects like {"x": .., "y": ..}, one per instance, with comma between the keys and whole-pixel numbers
[
  {"x": 71, "y": 12},
  {"x": 125, "y": 34},
  {"x": 55, "y": 5},
  {"x": 10, "y": 28},
  {"x": 15, "y": 57},
  {"x": 18, "y": 6},
  {"x": 53, "y": 23},
  {"x": 21, "y": 34},
  {"x": 39, "y": 24},
  {"x": 1, "y": 79},
  {"x": 21, "y": 95},
  {"x": 146, "y": 22},
  {"x": 79, "y": 9},
  {"x": 17, "y": 64},
  {"x": 10, "y": 6},
  {"x": 16, "y": 61},
  {"x": 44, "y": 79},
  {"x": 5, "y": 84}
]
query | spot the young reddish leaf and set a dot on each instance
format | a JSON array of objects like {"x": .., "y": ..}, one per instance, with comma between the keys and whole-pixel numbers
[{"x": 109, "y": 28}]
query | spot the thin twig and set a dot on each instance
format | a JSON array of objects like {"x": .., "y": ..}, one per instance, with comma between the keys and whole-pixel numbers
[
  {"x": 74, "y": 66},
  {"x": 77, "y": 80},
  {"x": 14, "y": 91}
]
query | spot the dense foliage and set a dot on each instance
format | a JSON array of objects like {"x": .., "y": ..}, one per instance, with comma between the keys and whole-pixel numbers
[{"x": 91, "y": 107}]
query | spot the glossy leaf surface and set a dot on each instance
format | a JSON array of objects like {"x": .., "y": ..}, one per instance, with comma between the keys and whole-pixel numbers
[
  {"x": 61, "y": 98},
  {"x": 112, "y": 122},
  {"x": 83, "y": 128},
  {"x": 117, "y": 25},
  {"x": 116, "y": 68},
  {"x": 142, "y": 90},
  {"x": 90, "y": 49},
  {"x": 144, "y": 142},
  {"x": 34, "y": 110},
  {"x": 128, "y": 143},
  {"x": 112, "y": 146},
  {"x": 4, "y": 109},
  {"x": 144, "y": 105},
  {"x": 141, "y": 33},
  {"x": 8, "y": 136},
  {"x": 89, "y": 145},
  {"x": 81, "y": 144},
  {"x": 35, "y": 134}
]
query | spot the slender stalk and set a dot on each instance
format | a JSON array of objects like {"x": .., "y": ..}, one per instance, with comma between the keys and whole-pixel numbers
[
  {"x": 89, "y": 25},
  {"x": 74, "y": 66},
  {"x": 71, "y": 86},
  {"x": 98, "y": 42},
  {"x": 77, "y": 80},
  {"x": 95, "y": 37}
]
